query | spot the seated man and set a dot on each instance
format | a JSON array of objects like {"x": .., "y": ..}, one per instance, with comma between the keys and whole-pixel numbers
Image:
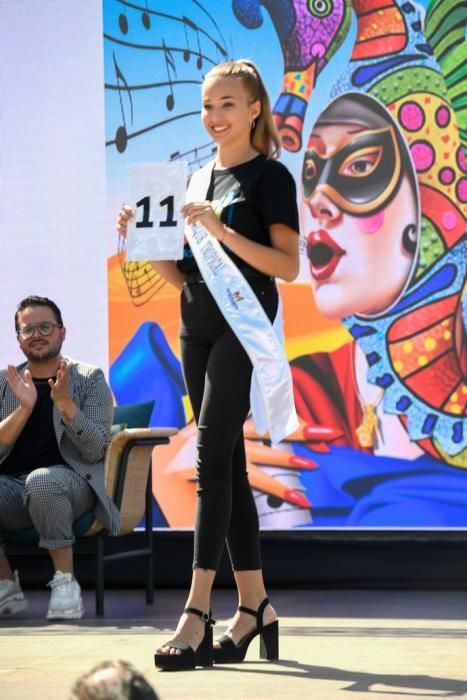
[{"x": 55, "y": 419}]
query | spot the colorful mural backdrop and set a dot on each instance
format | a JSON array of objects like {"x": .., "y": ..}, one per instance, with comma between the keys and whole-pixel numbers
[{"x": 370, "y": 100}]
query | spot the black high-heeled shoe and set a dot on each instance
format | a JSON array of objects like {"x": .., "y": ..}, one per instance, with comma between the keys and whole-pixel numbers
[
  {"x": 230, "y": 653},
  {"x": 188, "y": 659}
]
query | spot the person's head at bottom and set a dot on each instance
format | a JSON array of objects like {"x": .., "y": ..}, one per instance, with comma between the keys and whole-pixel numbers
[{"x": 113, "y": 680}]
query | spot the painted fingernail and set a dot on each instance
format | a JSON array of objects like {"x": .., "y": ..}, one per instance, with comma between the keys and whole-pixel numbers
[
  {"x": 310, "y": 432},
  {"x": 297, "y": 498},
  {"x": 302, "y": 463}
]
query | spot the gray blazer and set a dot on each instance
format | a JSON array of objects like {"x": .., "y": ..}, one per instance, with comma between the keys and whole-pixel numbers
[{"x": 82, "y": 444}]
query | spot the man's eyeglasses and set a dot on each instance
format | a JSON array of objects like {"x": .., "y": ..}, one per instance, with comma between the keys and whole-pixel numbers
[{"x": 45, "y": 328}]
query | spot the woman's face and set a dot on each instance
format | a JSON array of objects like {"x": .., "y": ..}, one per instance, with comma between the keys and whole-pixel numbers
[
  {"x": 226, "y": 112},
  {"x": 357, "y": 260}
]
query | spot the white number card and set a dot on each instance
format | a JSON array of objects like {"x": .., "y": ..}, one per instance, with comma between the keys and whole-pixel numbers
[{"x": 157, "y": 193}]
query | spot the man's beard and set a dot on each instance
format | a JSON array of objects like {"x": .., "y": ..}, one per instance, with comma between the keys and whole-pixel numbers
[{"x": 50, "y": 353}]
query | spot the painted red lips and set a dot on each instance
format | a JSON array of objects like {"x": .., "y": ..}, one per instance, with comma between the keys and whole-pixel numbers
[{"x": 323, "y": 253}]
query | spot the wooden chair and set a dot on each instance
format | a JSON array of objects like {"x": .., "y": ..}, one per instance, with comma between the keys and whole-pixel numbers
[{"x": 128, "y": 479}]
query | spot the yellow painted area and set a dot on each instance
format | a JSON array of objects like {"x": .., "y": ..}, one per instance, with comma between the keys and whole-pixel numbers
[
  {"x": 459, "y": 460},
  {"x": 187, "y": 408}
]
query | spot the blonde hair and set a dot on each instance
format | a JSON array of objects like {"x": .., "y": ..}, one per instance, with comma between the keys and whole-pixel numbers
[{"x": 264, "y": 136}]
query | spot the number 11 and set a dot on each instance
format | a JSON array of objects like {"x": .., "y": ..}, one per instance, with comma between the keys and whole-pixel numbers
[{"x": 145, "y": 203}]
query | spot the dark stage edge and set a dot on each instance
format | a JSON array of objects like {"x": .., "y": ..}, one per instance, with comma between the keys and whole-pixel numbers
[{"x": 325, "y": 559}]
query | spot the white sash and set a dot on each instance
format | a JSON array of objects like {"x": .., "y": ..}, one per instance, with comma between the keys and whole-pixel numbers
[{"x": 274, "y": 408}]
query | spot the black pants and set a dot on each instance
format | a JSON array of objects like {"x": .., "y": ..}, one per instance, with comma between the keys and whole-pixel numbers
[{"x": 218, "y": 377}]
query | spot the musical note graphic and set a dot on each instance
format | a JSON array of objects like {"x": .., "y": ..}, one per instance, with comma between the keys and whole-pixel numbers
[
  {"x": 187, "y": 52},
  {"x": 193, "y": 31},
  {"x": 169, "y": 64},
  {"x": 121, "y": 137},
  {"x": 219, "y": 47},
  {"x": 155, "y": 57},
  {"x": 123, "y": 23},
  {"x": 221, "y": 53},
  {"x": 146, "y": 19},
  {"x": 194, "y": 157},
  {"x": 142, "y": 281}
]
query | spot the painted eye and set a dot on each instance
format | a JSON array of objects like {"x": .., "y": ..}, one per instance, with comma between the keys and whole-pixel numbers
[
  {"x": 320, "y": 8},
  {"x": 361, "y": 164},
  {"x": 309, "y": 170}
]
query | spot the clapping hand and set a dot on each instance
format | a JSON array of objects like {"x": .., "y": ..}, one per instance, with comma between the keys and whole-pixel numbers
[
  {"x": 22, "y": 387},
  {"x": 59, "y": 388}
]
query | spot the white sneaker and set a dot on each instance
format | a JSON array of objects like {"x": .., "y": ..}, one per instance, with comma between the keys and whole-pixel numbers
[
  {"x": 65, "y": 600},
  {"x": 12, "y": 599}
]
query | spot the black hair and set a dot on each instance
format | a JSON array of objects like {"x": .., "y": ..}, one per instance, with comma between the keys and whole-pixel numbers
[{"x": 34, "y": 300}]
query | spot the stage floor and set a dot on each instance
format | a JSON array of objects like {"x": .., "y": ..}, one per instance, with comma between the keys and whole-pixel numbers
[{"x": 334, "y": 645}]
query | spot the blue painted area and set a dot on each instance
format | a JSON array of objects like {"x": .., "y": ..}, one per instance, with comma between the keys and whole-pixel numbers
[
  {"x": 147, "y": 370},
  {"x": 442, "y": 279},
  {"x": 367, "y": 73},
  {"x": 458, "y": 433},
  {"x": 429, "y": 424},
  {"x": 355, "y": 489},
  {"x": 403, "y": 403},
  {"x": 359, "y": 331}
]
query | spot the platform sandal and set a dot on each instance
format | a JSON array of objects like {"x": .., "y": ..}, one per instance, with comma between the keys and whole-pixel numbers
[
  {"x": 188, "y": 659},
  {"x": 230, "y": 653}
]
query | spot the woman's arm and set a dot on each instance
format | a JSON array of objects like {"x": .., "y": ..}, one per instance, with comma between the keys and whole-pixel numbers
[{"x": 281, "y": 259}]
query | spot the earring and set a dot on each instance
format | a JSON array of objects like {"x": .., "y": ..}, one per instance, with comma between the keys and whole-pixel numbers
[
  {"x": 252, "y": 124},
  {"x": 409, "y": 238}
]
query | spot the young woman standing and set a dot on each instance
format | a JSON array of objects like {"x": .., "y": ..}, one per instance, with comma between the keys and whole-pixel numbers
[{"x": 251, "y": 209}]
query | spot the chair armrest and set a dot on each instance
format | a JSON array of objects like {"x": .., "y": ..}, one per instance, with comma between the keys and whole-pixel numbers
[
  {"x": 127, "y": 434},
  {"x": 128, "y": 454}
]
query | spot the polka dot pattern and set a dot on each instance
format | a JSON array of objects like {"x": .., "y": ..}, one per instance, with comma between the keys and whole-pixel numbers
[
  {"x": 442, "y": 116},
  {"x": 411, "y": 354},
  {"x": 449, "y": 220},
  {"x": 461, "y": 190},
  {"x": 423, "y": 155},
  {"x": 411, "y": 116},
  {"x": 423, "y": 354},
  {"x": 457, "y": 401},
  {"x": 461, "y": 159},
  {"x": 446, "y": 176}
]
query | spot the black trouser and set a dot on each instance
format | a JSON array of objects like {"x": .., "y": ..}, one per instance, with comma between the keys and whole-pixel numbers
[{"x": 218, "y": 377}]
